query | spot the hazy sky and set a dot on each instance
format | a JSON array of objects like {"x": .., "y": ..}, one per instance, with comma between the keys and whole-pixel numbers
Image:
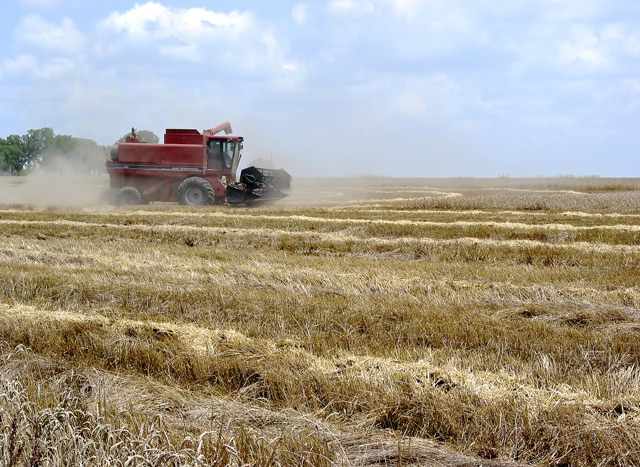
[{"x": 387, "y": 87}]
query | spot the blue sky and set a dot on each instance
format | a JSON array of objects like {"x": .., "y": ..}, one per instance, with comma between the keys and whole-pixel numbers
[{"x": 425, "y": 88}]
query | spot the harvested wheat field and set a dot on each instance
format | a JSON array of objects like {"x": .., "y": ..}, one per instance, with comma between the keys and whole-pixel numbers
[{"x": 360, "y": 322}]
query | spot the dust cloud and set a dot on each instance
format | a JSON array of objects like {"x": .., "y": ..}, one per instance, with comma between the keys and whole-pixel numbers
[
  {"x": 61, "y": 180},
  {"x": 48, "y": 190},
  {"x": 310, "y": 191}
]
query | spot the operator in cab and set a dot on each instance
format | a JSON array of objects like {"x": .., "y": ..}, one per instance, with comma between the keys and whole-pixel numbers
[
  {"x": 214, "y": 155},
  {"x": 219, "y": 154}
]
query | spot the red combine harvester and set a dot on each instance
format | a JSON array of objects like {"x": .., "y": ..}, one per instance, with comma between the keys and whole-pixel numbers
[{"x": 191, "y": 168}]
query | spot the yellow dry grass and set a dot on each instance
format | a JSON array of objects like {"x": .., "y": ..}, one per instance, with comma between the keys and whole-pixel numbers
[{"x": 486, "y": 330}]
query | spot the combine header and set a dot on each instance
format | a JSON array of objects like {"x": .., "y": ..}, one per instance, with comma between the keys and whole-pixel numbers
[{"x": 191, "y": 168}]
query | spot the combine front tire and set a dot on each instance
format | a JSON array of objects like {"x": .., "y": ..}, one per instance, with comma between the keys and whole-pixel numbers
[
  {"x": 128, "y": 196},
  {"x": 195, "y": 191}
]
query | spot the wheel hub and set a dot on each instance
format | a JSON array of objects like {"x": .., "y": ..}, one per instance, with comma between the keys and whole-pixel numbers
[{"x": 194, "y": 195}]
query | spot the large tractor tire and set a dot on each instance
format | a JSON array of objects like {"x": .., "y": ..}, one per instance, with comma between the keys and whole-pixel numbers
[
  {"x": 129, "y": 196},
  {"x": 195, "y": 191}
]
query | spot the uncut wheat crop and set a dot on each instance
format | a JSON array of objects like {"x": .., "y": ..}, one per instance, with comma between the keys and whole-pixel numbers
[{"x": 373, "y": 321}]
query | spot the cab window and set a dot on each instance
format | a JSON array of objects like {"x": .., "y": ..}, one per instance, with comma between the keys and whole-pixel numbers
[{"x": 220, "y": 154}]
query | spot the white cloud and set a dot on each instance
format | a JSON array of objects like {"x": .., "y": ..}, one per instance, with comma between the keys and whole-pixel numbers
[
  {"x": 35, "y": 32},
  {"x": 19, "y": 65},
  {"x": 138, "y": 21},
  {"x": 583, "y": 47},
  {"x": 189, "y": 52},
  {"x": 445, "y": 15},
  {"x": 223, "y": 44},
  {"x": 612, "y": 32},
  {"x": 300, "y": 13},
  {"x": 408, "y": 8},
  {"x": 275, "y": 55},
  {"x": 154, "y": 20},
  {"x": 622, "y": 42},
  {"x": 28, "y": 65},
  {"x": 350, "y": 6},
  {"x": 190, "y": 34},
  {"x": 607, "y": 48}
]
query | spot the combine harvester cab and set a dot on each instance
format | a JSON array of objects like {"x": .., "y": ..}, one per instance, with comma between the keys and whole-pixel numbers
[{"x": 191, "y": 168}]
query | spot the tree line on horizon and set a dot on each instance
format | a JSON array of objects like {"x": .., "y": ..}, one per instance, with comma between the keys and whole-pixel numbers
[{"x": 43, "y": 150}]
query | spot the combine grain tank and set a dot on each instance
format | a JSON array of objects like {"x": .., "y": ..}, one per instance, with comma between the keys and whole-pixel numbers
[{"x": 191, "y": 168}]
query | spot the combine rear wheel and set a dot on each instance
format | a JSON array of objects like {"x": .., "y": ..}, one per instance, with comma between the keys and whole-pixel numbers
[
  {"x": 128, "y": 196},
  {"x": 195, "y": 191}
]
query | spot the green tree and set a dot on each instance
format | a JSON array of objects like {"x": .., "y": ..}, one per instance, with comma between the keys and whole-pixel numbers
[
  {"x": 34, "y": 143},
  {"x": 55, "y": 149},
  {"x": 43, "y": 150},
  {"x": 148, "y": 137},
  {"x": 145, "y": 136},
  {"x": 61, "y": 143},
  {"x": 12, "y": 157}
]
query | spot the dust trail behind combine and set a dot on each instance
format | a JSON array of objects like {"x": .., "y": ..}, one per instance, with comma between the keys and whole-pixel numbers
[{"x": 43, "y": 190}]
